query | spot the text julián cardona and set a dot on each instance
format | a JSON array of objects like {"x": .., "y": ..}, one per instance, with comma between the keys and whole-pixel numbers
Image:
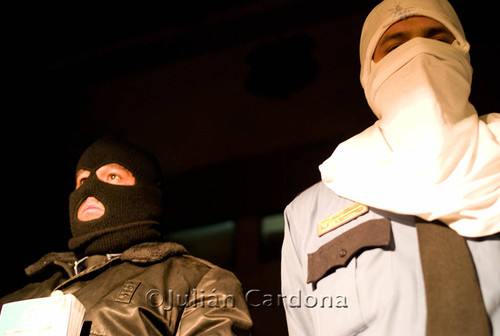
[{"x": 253, "y": 297}]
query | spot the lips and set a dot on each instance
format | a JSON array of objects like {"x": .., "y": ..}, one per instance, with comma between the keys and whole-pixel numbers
[{"x": 90, "y": 209}]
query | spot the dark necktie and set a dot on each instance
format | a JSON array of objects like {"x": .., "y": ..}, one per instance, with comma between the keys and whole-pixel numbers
[{"x": 454, "y": 301}]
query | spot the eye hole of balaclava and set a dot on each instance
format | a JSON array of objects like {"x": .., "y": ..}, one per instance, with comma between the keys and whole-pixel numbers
[{"x": 131, "y": 211}]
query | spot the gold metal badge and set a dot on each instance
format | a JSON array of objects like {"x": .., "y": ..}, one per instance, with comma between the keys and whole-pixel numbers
[{"x": 340, "y": 218}]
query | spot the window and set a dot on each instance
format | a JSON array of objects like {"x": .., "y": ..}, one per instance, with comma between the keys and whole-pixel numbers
[
  {"x": 271, "y": 236},
  {"x": 213, "y": 242}
]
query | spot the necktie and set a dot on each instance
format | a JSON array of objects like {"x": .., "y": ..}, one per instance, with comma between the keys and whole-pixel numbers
[{"x": 454, "y": 301}]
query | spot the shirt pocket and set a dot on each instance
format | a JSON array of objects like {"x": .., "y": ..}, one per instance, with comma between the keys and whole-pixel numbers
[{"x": 355, "y": 267}]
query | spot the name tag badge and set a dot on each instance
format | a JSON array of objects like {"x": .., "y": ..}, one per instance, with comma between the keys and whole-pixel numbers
[{"x": 340, "y": 218}]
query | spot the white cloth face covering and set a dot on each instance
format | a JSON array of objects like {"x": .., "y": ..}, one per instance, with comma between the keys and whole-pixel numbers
[{"x": 429, "y": 154}]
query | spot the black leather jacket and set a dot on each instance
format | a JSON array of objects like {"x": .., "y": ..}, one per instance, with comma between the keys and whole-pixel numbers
[{"x": 150, "y": 289}]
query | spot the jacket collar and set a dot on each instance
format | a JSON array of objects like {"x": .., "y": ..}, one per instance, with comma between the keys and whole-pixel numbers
[{"x": 149, "y": 252}]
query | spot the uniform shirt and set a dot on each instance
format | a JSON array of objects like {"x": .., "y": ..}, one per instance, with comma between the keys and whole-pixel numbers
[{"x": 365, "y": 276}]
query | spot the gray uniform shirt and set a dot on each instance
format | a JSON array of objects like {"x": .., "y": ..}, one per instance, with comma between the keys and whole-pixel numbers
[{"x": 365, "y": 276}]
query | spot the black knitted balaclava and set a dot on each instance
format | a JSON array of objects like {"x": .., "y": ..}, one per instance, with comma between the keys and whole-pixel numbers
[{"x": 131, "y": 212}]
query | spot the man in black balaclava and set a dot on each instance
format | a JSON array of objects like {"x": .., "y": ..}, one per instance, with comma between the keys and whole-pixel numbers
[
  {"x": 130, "y": 282},
  {"x": 121, "y": 184}
]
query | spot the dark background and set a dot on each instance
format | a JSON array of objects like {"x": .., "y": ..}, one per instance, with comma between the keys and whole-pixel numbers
[{"x": 239, "y": 100}]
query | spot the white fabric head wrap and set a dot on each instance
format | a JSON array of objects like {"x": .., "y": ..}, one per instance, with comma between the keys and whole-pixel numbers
[
  {"x": 389, "y": 12},
  {"x": 429, "y": 154}
]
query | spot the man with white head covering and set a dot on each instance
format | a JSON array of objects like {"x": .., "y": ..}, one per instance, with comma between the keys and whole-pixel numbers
[{"x": 402, "y": 233}]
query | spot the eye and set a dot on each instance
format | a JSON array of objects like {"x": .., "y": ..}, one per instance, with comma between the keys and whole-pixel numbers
[
  {"x": 392, "y": 47},
  {"x": 114, "y": 177},
  {"x": 445, "y": 40},
  {"x": 81, "y": 176},
  {"x": 80, "y": 181},
  {"x": 114, "y": 173},
  {"x": 442, "y": 35}
]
